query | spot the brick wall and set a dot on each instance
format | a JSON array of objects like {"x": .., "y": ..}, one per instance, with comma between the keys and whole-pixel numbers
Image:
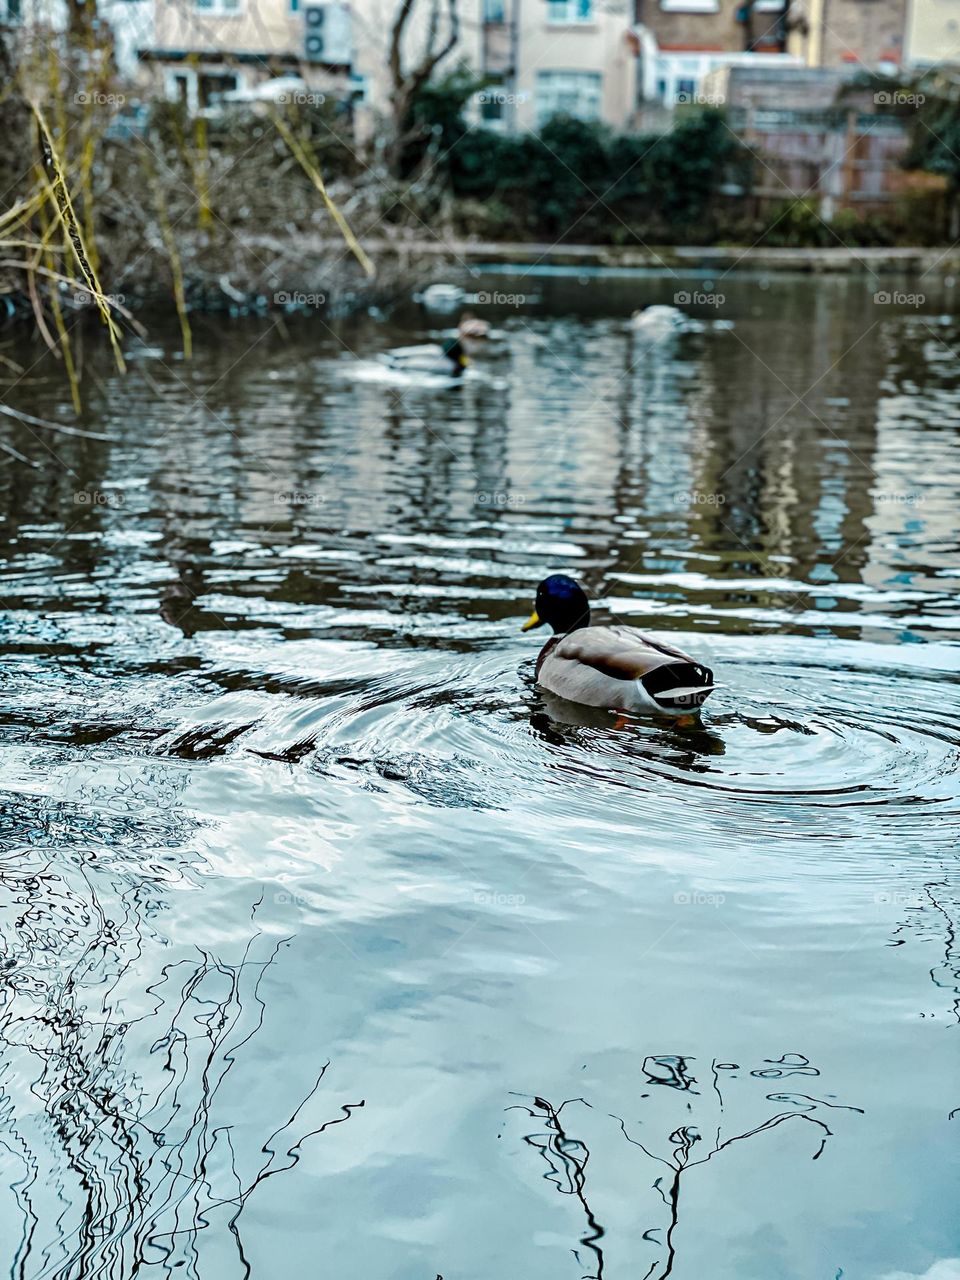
[
  {"x": 725, "y": 29},
  {"x": 867, "y": 31},
  {"x": 849, "y": 32}
]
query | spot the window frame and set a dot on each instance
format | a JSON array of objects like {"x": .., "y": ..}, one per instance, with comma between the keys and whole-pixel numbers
[
  {"x": 218, "y": 8},
  {"x": 690, "y": 6},
  {"x": 570, "y": 17},
  {"x": 590, "y": 88}
]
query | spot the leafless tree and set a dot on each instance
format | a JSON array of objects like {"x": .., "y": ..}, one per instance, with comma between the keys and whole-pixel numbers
[{"x": 441, "y": 38}]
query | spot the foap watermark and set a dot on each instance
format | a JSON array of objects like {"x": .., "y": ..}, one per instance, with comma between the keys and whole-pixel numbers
[
  {"x": 685, "y": 98},
  {"x": 96, "y": 99},
  {"x": 98, "y": 498},
  {"x": 698, "y": 898},
  {"x": 301, "y": 98},
  {"x": 83, "y": 298},
  {"x": 499, "y": 98},
  {"x": 298, "y": 498},
  {"x": 898, "y": 299},
  {"x": 697, "y": 298},
  {"x": 898, "y": 499},
  {"x": 694, "y": 498},
  {"x": 497, "y": 299},
  {"x": 898, "y": 98},
  {"x": 502, "y": 901},
  {"x": 298, "y": 299},
  {"x": 285, "y": 899},
  {"x": 499, "y": 498},
  {"x": 894, "y": 898}
]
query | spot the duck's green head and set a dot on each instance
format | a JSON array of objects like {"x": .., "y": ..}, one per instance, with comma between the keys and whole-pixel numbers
[
  {"x": 453, "y": 350},
  {"x": 561, "y": 604}
]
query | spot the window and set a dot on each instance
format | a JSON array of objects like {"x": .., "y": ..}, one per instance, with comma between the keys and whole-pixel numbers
[
  {"x": 572, "y": 93},
  {"x": 211, "y": 85},
  {"x": 569, "y": 11},
  {"x": 690, "y": 6},
  {"x": 228, "y": 7},
  {"x": 494, "y": 11},
  {"x": 294, "y": 6},
  {"x": 201, "y": 90},
  {"x": 180, "y": 86},
  {"x": 492, "y": 100},
  {"x": 11, "y": 11}
]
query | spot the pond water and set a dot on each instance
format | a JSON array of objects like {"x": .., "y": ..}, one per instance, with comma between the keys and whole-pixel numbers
[{"x": 330, "y": 948}]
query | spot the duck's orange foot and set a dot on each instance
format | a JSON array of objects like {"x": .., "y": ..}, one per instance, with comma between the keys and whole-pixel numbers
[{"x": 622, "y": 720}]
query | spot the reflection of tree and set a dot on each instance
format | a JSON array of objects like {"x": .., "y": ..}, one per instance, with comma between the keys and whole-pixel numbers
[
  {"x": 935, "y": 920},
  {"x": 113, "y": 1169},
  {"x": 567, "y": 1160},
  {"x": 567, "y": 1157}
]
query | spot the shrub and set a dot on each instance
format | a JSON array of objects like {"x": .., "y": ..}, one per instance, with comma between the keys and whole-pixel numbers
[{"x": 581, "y": 175}]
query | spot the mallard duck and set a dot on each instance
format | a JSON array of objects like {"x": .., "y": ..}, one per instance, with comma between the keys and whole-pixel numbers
[
  {"x": 472, "y": 326},
  {"x": 619, "y": 668},
  {"x": 440, "y": 297},
  {"x": 448, "y": 360},
  {"x": 656, "y": 320}
]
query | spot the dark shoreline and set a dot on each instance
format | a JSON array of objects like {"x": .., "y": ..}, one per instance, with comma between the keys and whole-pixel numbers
[{"x": 314, "y": 269}]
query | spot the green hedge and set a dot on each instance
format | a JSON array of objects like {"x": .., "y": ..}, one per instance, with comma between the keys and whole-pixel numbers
[
  {"x": 578, "y": 174},
  {"x": 574, "y": 174}
]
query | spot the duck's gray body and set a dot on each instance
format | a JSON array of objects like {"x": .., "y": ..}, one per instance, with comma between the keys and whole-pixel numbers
[
  {"x": 428, "y": 358},
  {"x": 622, "y": 669}
]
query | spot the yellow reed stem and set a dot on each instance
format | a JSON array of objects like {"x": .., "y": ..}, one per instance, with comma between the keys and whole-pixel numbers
[
  {"x": 176, "y": 267},
  {"x": 58, "y": 321},
  {"x": 53, "y": 170},
  {"x": 311, "y": 167}
]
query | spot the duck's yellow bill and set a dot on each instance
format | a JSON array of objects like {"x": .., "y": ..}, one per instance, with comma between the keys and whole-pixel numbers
[{"x": 531, "y": 622}]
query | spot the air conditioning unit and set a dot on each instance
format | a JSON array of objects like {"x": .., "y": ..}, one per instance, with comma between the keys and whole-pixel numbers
[{"x": 328, "y": 34}]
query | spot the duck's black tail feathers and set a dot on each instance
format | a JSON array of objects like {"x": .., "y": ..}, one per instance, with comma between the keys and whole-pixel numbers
[{"x": 679, "y": 686}]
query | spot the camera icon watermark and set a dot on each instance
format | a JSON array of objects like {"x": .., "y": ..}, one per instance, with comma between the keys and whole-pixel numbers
[
  {"x": 97, "y": 498},
  {"x": 894, "y": 898},
  {"x": 694, "y": 98},
  {"x": 301, "y": 98},
  {"x": 96, "y": 99},
  {"x": 694, "y": 498},
  {"x": 898, "y": 499},
  {"x": 898, "y": 299},
  {"x": 298, "y": 498},
  {"x": 285, "y": 899},
  {"x": 497, "y": 97},
  {"x": 502, "y": 901},
  {"x": 298, "y": 299},
  {"x": 503, "y": 498},
  {"x": 697, "y": 298},
  {"x": 898, "y": 98},
  {"x": 698, "y": 898},
  {"x": 497, "y": 299},
  {"x": 84, "y": 298}
]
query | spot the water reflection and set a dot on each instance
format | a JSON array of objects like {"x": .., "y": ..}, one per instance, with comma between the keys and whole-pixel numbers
[
  {"x": 680, "y": 1149},
  {"x": 279, "y": 792}
]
